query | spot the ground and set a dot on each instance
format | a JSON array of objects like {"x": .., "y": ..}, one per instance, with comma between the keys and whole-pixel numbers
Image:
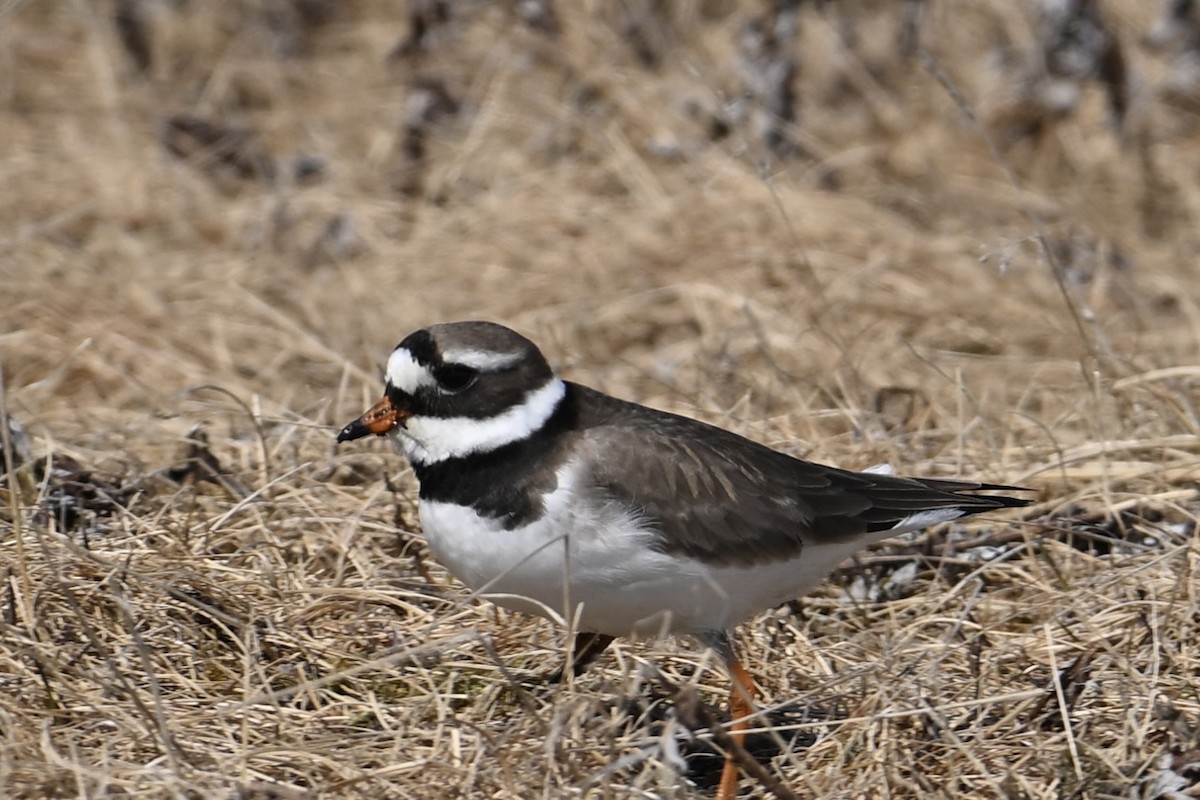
[{"x": 863, "y": 233}]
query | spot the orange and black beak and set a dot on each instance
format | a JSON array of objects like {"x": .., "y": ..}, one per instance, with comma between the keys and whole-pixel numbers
[{"x": 379, "y": 419}]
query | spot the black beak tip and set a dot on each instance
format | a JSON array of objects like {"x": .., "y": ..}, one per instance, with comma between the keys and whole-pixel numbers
[{"x": 355, "y": 430}]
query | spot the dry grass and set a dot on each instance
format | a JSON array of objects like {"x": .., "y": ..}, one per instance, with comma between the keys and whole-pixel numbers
[{"x": 279, "y": 631}]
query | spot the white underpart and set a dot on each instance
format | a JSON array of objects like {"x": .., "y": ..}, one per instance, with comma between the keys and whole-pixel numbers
[
  {"x": 483, "y": 360},
  {"x": 405, "y": 373},
  {"x": 428, "y": 440},
  {"x": 596, "y": 563},
  {"x": 923, "y": 519}
]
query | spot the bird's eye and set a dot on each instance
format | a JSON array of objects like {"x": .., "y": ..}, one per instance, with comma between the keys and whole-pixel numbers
[{"x": 455, "y": 377}]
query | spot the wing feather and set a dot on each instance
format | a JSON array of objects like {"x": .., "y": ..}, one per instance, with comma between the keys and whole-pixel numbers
[{"x": 744, "y": 503}]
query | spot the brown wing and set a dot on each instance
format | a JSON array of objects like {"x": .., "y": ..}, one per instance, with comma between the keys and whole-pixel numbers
[{"x": 744, "y": 503}]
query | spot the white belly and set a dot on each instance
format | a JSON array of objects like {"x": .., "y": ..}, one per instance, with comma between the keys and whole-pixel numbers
[{"x": 599, "y": 568}]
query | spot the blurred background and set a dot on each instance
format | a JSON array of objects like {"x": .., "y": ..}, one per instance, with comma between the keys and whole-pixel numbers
[{"x": 796, "y": 206}]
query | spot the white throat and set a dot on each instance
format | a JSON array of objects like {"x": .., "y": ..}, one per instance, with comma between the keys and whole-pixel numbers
[{"x": 428, "y": 440}]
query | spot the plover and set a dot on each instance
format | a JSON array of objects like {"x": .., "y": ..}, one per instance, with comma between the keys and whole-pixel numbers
[{"x": 557, "y": 500}]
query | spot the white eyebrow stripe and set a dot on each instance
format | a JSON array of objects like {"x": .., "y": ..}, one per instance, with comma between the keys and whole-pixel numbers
[
  {"x": 482, "y": 360},
  {"x": 404, "y": 373}
]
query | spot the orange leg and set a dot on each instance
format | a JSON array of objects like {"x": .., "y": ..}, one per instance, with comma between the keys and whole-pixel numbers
[
  {"x": 741, "y": 704},
  {"x": 587, "y": 647}
]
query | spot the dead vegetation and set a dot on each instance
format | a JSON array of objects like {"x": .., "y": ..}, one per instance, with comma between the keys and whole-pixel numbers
[{"x": 926, "y": 233}]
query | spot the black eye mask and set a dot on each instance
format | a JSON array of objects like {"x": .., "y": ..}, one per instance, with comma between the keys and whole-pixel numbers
[{"x": 455, "y": 377}]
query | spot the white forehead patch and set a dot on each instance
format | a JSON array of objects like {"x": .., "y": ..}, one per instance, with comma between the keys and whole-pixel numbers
[
  {"x": 482, "y": 360},
  {"x": 404, "y": 373}
]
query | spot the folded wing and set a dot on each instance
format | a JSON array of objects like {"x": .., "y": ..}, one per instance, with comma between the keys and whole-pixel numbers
[{"x": 745, "y": 504}]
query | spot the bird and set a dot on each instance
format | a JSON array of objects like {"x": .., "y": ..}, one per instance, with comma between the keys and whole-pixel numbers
[{"x": 552, "y": 498}]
